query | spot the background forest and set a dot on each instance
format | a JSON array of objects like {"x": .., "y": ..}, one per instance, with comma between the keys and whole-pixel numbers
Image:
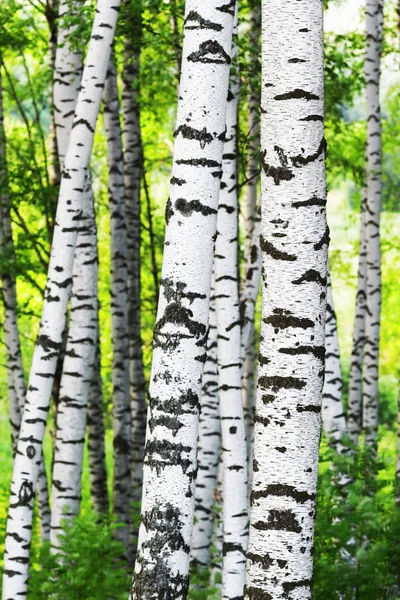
[{"x": 358, "y": 494}]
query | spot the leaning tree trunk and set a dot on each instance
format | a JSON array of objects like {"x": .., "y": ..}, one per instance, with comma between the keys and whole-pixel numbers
[
  {"x": 180, "y": 333},
  {"x": 230, "y": 364},
  {"x": 52, "y": 13},
  {"x": 374, "y": 25},
  {"x": 96, "y": 445},
  {"x": 208, "y": 449},
  {"x": 59, "y": 281},
  {"x": 294, "y": 242},
  {"x": 15, "y": 370},
  {"x": 119, "y": 310},
  {"x": 333, "y": 417},
  {"x": 132, "y": 178},
  {"x": 354, "y": 411}
]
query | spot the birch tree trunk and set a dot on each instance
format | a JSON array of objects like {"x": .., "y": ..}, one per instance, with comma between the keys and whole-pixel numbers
[
  {"x": 132, "y": 178},
  {"x": 15, "y": 370},
  {"x": 96, "y": 446},
  {"x": 374, "y": 26},
  {"x": 119, "y": 310},
  {"x": 180, "y": 333},
  {"x": 234, "y": 450},
  {"x": 354, "y": 411},
  {"x": 76, "y": 376},
  {"x": 52, "y": 17},
  {"x": 208, "y": 449},
  {"x": 294, "y": 241},
  {"x": 48, "y": 342},
  {"x": 333, "y": 417}
]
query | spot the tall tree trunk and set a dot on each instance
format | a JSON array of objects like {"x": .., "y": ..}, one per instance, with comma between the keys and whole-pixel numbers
[
  {"x": 333, "y": 418},
  {"x": 69, "y": 209},
  {"x": 354, "y": 411},
  {"x": 96, "y": 446},
  {"x": 52, "y": 15},
  {"x": 374, "y": 26},
  {"x": 294, "y": 242},
  {"x": 132, "y": 177},
  {"x": 180, "y": 333},
  {"x": 76, "y": 376},
  {"x": 208, "y": 449},
  {"x": 234, "y": 450},
  {"x": 15, "y": 370},
  {"x": 119, "y": 309}
]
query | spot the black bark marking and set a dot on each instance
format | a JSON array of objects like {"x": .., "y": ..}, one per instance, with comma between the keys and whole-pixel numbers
[
  {"x": 279, "y": 520},
  {"x": 279, "y": 489},
  {"x": 296, "y": 60},
  {"x": 324, "y": 240},
  {"x": 198, "y": 22},
  {"x": 30, "y": 452},
  {"x": 301, "y": 161},
  {"x": 83, "y": 122},
  {"x": 190, "y": 133},
  {"x": 171, "y": 455},
  {"x": 314, "y": 201},
  {"x": 297, "y": 94},
  {"x": 289, "y": 586},
  {"x": 313, "y": 118},
  {"x": 177, "y": 181},
  {"x": 230, "y": 547},
  {"x": 210, "y": 52},
  {"x": 309, "y": 408},
  {"x": 228, "y": 8},
  {"x": 276, "y": 254},
  {"x": 310, "y": 276},
  {"x": 253, "y": 593},
  {"x": 47, "y": 343},
  {"x": 199, "y": 162},
  {"x": 188, "y": 208},
  {"x": 265, "y": 560},
  {"x": 169, "y": 211},
  {"x": 283, "y": 319},
  {"x": 170, "y": 422},
  {"x": 277, "y": 383},
  {"x": 317, "y": 351},
  {"x": 25, "y": 493},
  {"x": 278, "y": 174}
]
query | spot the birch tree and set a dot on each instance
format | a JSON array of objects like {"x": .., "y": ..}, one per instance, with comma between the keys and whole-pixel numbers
[
  {"x": 354, "y": 411},
  {"x": 294, "y": 241},
  {"x": 208, "y": 448},
  {"x": 333, "y": 417},
  {"x": 180, "y": 333},
  {"x": 119, "y": 308},
  {"x": 48, "y": 342},
  {"x": 234, "y": 451},
  {"x": 374, "y": 28}
]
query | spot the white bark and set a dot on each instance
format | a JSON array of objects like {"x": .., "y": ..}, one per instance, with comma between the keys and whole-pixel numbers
[
  {"x": 294, "y": 241},
  {"x": 180, "y": 333},
  {"x": 230, "y": 361},
  {"x": 59, "y": 281},
  {"x": 119, "y": 310},
  {"x": 208, "y": 449},
  {"x": 333, "y": 417},
  {"x": 354, "y": 411},
  {"x": 374, "y": 24}
]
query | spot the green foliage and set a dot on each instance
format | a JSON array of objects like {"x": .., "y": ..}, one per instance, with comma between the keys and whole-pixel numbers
[
  {"x": 88, "y": 565},
  {"x": 357, "y": 539}
]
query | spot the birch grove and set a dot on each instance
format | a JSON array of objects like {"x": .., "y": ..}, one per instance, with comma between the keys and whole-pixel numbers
[{"x": 225, "y": 427}]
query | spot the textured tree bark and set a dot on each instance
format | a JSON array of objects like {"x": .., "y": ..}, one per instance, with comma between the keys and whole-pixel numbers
[
  {"x": 132, "y": 178},
  {"x": 15, "y": 371},
  {"x": 208, "y": 449},
  {"x": 59, "y": 281},
  {"x": 230, "y": 361},
  {"x": 119, "y": 310},
  {"x": 333, "y": 417},
  {"x": 96, "y": 446},
  {"x": 52, "y": 16},
  {"x": 374, "y": 26},
  {"x": 354, "y": 411},
  {"x": 294, "y": 242},
  {"x": 180, "y": 333}
]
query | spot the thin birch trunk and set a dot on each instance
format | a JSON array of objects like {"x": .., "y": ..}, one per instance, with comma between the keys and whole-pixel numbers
[
  {"x": 333, "y": 417},
  {"x": 354, "y": 411},
  {"x": 15, "y": 370},
  {"x": 119, "y": 310},
  {"x": 69, "y": 210},
  {"x": 96, "y": 446},
  {"x": 132, "y": 178},
  {"x": 230, "y": 362},
  {"x": 374, "y": 25},
  {"x": 180, "y": 333},
  {"x": 52, "y": 17},
  {"x": 208, "y": 449},
  {"x": 294, "y": 242}
]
